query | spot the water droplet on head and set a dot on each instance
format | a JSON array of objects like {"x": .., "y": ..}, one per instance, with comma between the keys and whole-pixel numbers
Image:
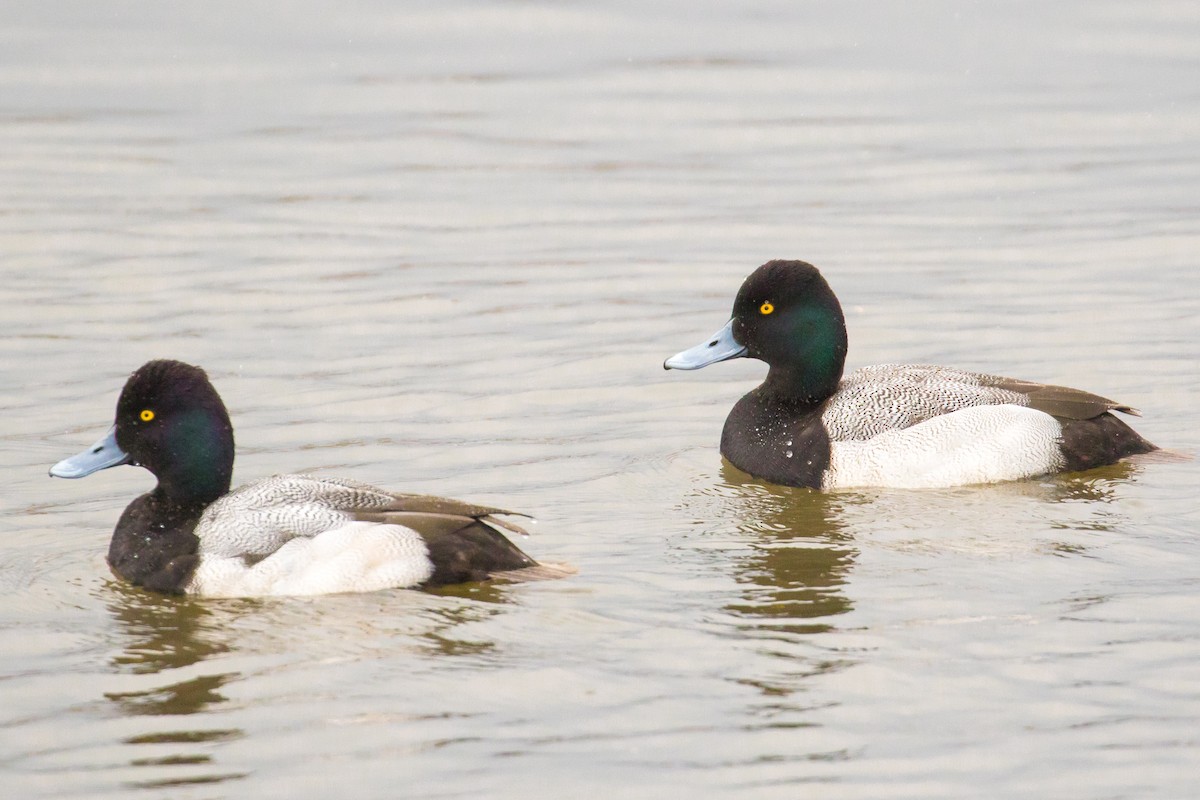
[{"x": 788, "y": 453}]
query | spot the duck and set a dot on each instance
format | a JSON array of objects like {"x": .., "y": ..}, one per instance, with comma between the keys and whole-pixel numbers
[
  {"x": 889, "y": 425},
  {"x": 293, "y": 534}
]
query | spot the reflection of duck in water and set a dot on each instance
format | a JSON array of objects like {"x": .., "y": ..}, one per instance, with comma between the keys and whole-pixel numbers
[
  {"x": 801, "y": 557},
  {"x": 909, "y": 426},
  {"x": 289, "y": 534},
  {"x": 181, "y": 659},
  {"x": 803, "y": 541},
  {"x": 163, "y": 634}
]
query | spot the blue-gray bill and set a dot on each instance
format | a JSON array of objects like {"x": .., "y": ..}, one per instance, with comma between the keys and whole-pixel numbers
[
  {"x": 102, "y": 455},
  {"x": 721, "y": 346}
]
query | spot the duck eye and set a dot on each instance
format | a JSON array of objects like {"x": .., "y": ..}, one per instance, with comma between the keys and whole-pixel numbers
[
  {"x": 766, "y": 308},
  {"x": 146, "y": 415}
]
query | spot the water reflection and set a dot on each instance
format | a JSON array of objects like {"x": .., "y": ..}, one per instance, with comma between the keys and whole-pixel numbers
[
  {"x": 162, "y": 631},
  {"x": 794, "y": 578},
  {"x": 492, "y": 598},
  {"x": 803, "y": 544},
  {"x": 1096, "y": 492},
  {"x": 164, "y": 638},
  {"x": 1094, "y": 485},
  {"x": 792, "y": 584},
  {"x": 163, "y": 634},
  {"x": 186, "y": 697},
  {"x": 1071, "y": 508}
]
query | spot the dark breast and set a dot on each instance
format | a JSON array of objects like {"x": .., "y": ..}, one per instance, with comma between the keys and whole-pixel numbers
[
  {"x": 778, "y": 443},
  {"x": 153, "y": 545}
]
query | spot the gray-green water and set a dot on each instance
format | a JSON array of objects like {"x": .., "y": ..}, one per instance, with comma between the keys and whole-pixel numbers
[{"x": 445, "y": 248}]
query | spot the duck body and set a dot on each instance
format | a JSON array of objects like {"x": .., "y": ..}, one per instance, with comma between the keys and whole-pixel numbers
[
  {"x": 283, "y": 535},
  {"x": 891, "y": 425}
]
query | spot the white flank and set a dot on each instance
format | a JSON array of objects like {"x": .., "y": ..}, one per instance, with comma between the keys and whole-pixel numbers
[
  {"x": 980, "y": 444},
  {"x": 296, "y": 534},
  {"x": 354, "y": 557}
]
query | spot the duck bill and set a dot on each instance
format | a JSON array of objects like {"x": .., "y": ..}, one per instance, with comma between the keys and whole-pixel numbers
[
  {"x": 102, "y": 455},
  {"x": 721, "y": 346}
]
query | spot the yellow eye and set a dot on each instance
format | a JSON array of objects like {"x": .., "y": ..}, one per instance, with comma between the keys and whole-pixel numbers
[
  {"x": 146, "y": 415},
  {"x": 766, "y": 308}
]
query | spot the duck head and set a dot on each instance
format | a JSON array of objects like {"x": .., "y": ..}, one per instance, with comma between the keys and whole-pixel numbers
[
  {"x": 786, "y": 315},
  {"x": 171, "y": 421}
]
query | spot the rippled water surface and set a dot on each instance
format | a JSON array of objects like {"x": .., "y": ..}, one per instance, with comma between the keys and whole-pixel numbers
[{"x": 444, "y": 247}]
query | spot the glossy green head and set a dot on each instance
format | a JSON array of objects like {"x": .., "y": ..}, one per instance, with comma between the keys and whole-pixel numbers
[
  {"x": 786, "y": 315},
  {"x": 171, "y": 421}
]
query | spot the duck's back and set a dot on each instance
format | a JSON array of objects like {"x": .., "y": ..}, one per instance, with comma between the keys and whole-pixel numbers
[
  {"x": 305, "y": 534},
  {"x": 886, "y": 397},
  {"x": 917, "y": 426}
]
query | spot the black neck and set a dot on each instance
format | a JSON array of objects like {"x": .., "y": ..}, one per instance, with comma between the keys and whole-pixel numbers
[{"x": 800, "y": 387}]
